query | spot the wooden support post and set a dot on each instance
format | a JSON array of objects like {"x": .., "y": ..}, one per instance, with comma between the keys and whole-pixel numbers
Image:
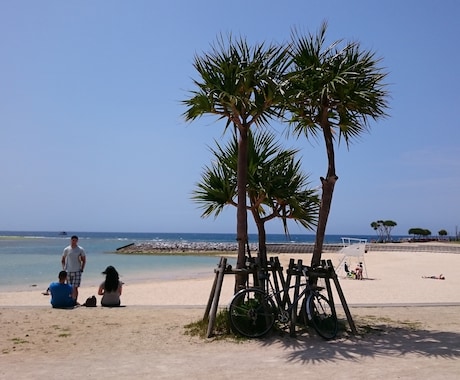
[
  {"x": 279, "y": 268},
  {"x": 294, "y": 297},
  {"x": 215, "y": 303},
  {"x": 255, "y": 273},
  {"x": 342, "y": 298},
  {"x": 327, "y": 281},
  {"x": 275, "y": 273},
  {"x": 288, "y": 282},
  {"x": 213, "y": 291}
]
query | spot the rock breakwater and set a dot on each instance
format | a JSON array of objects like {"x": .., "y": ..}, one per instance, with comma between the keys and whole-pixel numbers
[
  {"x": 180, "y": 247},
  {"x": 164, "y": 247}
]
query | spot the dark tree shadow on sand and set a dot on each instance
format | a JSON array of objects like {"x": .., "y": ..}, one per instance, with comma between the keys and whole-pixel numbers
[{"x": 375, "y": 339}]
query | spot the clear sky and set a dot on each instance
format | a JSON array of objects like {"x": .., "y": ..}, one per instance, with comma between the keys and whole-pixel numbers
[{"x": 92, "y": 136}]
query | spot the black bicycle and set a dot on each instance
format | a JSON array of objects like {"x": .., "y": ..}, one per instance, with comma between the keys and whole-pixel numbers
[{"x": 253, "y": 312}]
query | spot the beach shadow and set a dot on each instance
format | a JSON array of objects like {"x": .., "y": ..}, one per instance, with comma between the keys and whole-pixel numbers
[{"x": 379, "y": 340}]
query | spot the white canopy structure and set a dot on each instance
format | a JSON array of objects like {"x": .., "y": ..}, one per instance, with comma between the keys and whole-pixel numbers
[{"x": 353, "y": 254}]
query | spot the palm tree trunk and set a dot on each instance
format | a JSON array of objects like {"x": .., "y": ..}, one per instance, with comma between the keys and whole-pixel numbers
[
  {"x": 262, "y": 255},
  {"x": 241, "y": 212},
  {"x": 262, "y": 245},
  {"x": 328, "y": 185}
]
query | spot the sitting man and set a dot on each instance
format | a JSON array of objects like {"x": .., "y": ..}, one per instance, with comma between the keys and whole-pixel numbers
[{"x": 63, "y": 295}]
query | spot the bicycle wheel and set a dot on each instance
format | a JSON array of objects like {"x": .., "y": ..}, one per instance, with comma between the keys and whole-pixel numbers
[
  {"x": 251, "y": 313},
  {"x": 321, "y": 316}
]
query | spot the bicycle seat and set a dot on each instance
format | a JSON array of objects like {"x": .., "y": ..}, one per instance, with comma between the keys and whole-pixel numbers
[
  {"x": 317, "y": 287},
  {"x": 319, "y": 270}
]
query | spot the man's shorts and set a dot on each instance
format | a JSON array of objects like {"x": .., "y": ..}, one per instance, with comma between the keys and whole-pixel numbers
[{"x": 74, "y": 278}]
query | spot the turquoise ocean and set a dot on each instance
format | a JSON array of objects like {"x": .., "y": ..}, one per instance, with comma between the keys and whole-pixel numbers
[{"x": 32, "y": 259}]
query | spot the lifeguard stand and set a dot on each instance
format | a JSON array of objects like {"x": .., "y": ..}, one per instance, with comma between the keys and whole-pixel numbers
[{"x": 353, "y": 253}]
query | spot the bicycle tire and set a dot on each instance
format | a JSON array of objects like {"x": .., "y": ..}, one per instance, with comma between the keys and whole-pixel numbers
[
  {"x": 321, "y": 316},
  {"x": 251, "y": 313}
]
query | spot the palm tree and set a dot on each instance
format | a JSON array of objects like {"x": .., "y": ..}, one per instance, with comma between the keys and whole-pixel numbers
[
  {"x": 241, "y": 85},
  {"x": 334, "y": 92},
  {"x": 277, "y": 188}
]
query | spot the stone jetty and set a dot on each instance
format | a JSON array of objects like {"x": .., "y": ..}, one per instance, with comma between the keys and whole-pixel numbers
[
  {"x": 179, "y": 247},
  {"x": 158, "y": 247}
]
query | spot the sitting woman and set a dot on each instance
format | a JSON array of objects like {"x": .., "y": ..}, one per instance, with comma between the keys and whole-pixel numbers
[{"x": 111, "y": 288}]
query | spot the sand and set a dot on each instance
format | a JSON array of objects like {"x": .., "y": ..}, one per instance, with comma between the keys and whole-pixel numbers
[{"x": 409, "y": 328}]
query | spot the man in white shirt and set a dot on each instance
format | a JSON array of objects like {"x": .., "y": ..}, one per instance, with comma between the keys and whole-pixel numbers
[{"x": 73, "y": 262}]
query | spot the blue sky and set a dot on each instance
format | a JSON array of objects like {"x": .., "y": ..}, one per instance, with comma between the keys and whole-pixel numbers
[{"x": 92, "y": 136}]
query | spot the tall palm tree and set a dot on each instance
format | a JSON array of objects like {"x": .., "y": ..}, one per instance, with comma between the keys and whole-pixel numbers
[
  {"x": 240, "y": 84},
  {"x": 335, "y": 91},
  {"x": 277, "y": 188}
]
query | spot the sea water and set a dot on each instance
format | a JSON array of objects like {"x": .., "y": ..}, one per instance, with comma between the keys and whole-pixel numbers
[{"x": 31, "y": 260}]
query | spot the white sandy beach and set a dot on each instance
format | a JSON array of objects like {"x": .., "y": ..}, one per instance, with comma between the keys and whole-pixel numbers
[{"x": 414, "y": 323}]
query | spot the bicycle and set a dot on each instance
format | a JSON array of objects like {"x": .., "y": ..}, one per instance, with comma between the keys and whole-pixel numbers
[{"x": 253, "y": 312}]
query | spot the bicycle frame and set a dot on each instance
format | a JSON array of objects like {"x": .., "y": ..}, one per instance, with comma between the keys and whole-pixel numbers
[
  {"x": 254, "y": 310},
  {"x": 281, "y": 302}
]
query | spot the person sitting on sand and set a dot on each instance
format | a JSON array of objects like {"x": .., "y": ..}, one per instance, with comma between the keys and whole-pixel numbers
[
  {"x": 349, "y": 273},
  {"x": 440, "y": 277},
  {"x": 63, "y": 295},
  {"x": 111, "y": 288}
]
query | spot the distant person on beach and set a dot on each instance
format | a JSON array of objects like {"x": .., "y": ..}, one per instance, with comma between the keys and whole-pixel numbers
[
  {"x": 74, "y": 261},
  {"x": 359, "y": 271},
  {"x": 63, "y": 295},
  {"x": 348, "y": 272},
  {"x": 111, "y": 288},
  {"x": 440, "y": 277}
]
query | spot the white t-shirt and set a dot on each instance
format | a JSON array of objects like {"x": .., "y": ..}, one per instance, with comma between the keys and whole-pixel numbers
[{"x": 72, "y": 258}]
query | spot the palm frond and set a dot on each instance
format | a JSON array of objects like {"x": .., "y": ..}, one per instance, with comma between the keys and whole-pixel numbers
[{"x": 341, "y": 81}]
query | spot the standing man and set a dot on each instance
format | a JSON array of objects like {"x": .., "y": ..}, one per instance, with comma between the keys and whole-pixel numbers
[{"x": 74, "y": 261}]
